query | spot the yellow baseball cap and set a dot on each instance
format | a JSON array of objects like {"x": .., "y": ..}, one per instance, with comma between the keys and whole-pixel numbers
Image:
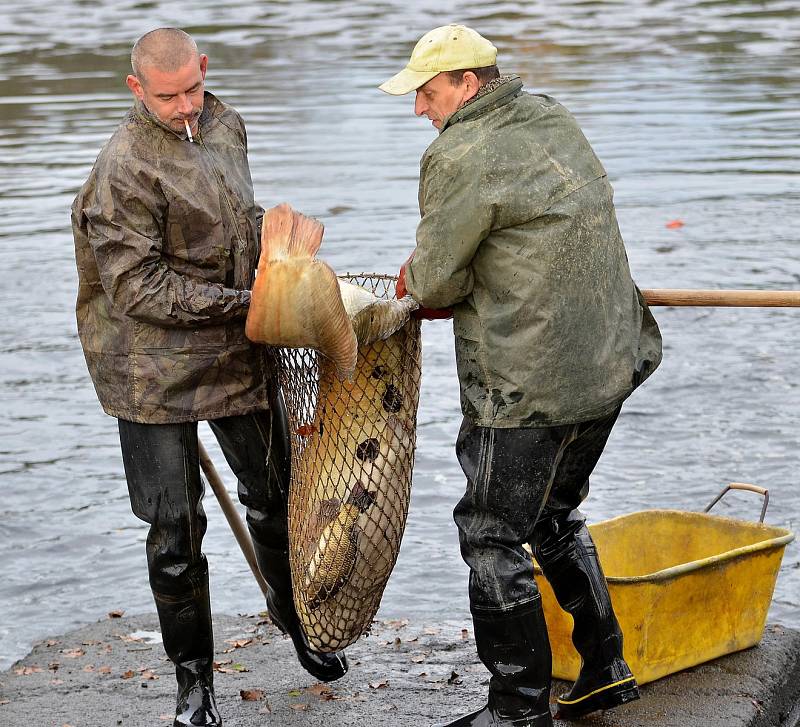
[{"x": 448, "y": 48}]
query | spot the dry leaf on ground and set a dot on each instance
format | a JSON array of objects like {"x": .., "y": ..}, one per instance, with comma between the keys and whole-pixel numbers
[
  {"x": 251, "y": 695},
  {"x": 27, "y": 670}
]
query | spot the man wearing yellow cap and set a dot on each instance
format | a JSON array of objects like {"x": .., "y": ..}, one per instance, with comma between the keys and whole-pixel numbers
[{"x": 519, "y": 240}]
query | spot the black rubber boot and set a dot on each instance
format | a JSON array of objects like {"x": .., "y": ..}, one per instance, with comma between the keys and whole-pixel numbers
[
  {"x": 274, "y": 566},
  {"x": 514, "y": 647},
  {"x": 568, "y": 557},
  {"x": 188, "y": 641}
]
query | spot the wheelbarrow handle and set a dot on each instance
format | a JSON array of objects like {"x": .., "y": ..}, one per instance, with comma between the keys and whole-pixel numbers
[{"x": 744, "y": 486}]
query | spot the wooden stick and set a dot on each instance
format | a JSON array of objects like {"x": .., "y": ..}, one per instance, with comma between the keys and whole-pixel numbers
[
  {"x": 724, "y": 298},
  {"x": 231, "y": 515}
]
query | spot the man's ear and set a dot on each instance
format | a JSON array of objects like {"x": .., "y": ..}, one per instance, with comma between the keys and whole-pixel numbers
[
  {"x": 472, "y": 84},
  {"x": 135, "y": 85},
  {"x": 203, "y": 65}
]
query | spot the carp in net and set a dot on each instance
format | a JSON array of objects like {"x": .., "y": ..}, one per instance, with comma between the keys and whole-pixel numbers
[
  {"x": 352, "y": 456},
  {"x": 352, "y": 417}
]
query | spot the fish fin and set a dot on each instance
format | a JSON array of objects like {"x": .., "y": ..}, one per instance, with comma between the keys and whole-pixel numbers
[
  {"x": 361, "y": 497},
  {"x": 374, "y": 318},
  {"x": 286, "y": 233}
]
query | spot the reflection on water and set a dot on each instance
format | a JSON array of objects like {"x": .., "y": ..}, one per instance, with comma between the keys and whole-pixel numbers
[{"x": 691, "y": 106}]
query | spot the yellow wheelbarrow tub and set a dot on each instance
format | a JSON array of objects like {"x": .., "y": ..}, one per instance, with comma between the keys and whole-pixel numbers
[{"x": 686, "y": 587}]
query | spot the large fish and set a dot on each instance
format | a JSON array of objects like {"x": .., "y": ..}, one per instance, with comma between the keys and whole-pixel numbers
[{"x": 353, "y": 436}]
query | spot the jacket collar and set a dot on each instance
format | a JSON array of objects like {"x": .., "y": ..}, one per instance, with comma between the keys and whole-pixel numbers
[
  {"x": 500, "y": 96},
  {"x": 210, "y": 103}
]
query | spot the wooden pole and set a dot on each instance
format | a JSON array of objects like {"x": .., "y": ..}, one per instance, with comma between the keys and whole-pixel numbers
[
  {"x": 724, "y": 298},
  {"x": 231, "y": 515}
]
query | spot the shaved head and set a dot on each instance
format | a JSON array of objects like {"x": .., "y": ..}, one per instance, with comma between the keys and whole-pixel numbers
[{"x": 165, "y": 49}]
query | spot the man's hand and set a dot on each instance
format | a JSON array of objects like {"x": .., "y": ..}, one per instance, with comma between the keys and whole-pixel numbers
[
  {"x": 425, "y": 314},
  {"x": 400, "y": 287}
]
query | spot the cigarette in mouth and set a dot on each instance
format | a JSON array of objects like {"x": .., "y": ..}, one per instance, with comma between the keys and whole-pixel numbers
[{"x": 188, "y": 130}]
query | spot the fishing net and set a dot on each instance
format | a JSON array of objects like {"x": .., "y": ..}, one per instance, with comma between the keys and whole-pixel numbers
[{"x": 352, "y": 456}]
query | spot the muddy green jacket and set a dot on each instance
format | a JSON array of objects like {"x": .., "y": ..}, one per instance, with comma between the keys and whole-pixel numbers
[
  {"x": 519, "y": 235},
  {"x": 166, "y": 245}
]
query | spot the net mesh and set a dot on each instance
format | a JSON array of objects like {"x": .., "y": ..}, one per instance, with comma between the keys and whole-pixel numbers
[{"x": 352, "y": 457}]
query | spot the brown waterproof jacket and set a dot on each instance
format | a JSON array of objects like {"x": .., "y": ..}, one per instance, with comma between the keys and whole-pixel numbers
[
  {"x": 519, "y": 235},
  {"x": 166, "y": 243}
]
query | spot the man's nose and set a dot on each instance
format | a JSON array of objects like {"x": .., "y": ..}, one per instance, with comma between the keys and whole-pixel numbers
[
  {"x": 419, "y": 105},
  {"x": 185, "y": 104}
]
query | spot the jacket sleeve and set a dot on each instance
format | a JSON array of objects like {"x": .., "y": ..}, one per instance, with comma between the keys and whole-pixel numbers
[
  {"x": 122, "y": 222},
  {"x": 456, "y": 218}
]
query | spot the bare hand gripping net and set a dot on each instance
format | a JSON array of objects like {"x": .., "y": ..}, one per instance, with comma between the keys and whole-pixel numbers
[{"x": 352, "y": 456}]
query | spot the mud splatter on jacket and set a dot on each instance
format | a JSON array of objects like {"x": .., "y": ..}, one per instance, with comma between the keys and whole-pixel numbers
[
  {"x": 519, "y": 235},
  {"x": 166, "y": 243}
]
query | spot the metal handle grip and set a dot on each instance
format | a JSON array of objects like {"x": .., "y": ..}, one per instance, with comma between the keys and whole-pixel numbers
[{"x": 743, "y": 486}]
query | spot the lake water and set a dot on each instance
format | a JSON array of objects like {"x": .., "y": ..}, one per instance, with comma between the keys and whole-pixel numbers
[{"x": 693, "y": 108}]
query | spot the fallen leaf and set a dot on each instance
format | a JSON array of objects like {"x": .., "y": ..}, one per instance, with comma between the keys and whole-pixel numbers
[
  {"x": 89, "y": 667},
  {"x": 116, "y": 613},
  {"x": 430, "y": 631},
  {"x": 674, "y": 224},
  {"x": 25, "y": 671},
  {"x": 73, "y": 653},
  {"x": 464, "y": 634},
  {"x": 129, "y": 674},
  {"x": 129, "y": 638},
  {"x": 53, "y": 666},
  {"x": 301, "y": 707},
  {"x": 455, "y": 678},
  {"x": 398, "y": 623},
  {"x": 104, "y": 670},
  {"x": 148, "y": 674},
  {"x": 5, "y": 701},
  {"x": 294, "y": 693},
  {"x": 251, "y": 695},
  {"x": 166, "y": 717},
  {"x": 321, "y": 691},
  {"x": 378, "y": 685},
  {"x": 52, "y": 642},
  {"x": 239, "y": 667},
  {"x": 418, "y": 658},
  {"x": 238, "y": 643}
]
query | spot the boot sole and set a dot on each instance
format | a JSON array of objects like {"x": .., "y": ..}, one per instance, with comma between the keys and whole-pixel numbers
[{"x": 607, "y": 697}]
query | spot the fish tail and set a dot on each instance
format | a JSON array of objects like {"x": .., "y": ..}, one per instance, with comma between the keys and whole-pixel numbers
[{"x": 289, "y": 234}]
